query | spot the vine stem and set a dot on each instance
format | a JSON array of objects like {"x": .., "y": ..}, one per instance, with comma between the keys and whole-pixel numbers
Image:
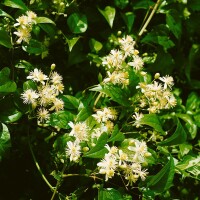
[
  {"x": 38, "y": 166},
  {"x": 149, "y": 18},
  {"x": 59, "y": 181},
  {"x": 97, "y": 99}
]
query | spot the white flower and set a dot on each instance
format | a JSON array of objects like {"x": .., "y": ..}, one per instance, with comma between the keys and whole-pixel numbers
[
  {"x": 38, "y": 76},
  {"x": 47, "y": 95},
  {"x": 137, "y": 63},
  {"x": 43, "y": 114},
  {"x": 111, "y": 150},
  {"x": 139, "y": 149},
  {"x": 168, "y": 81},
  {"x": 29, "y": 96},
  {"x": 138, "y": 117},
  {"x": 73, "y": 150},
  {"x": 122, "y": 157},
  {"x": 127, "y": 45},
  {"x": 31, "y": 17},
  {"x": 79, "y": 131},
  {"x": 23, "y": 34},
  {"x": 56, "y": 78},
  {"x": 58, "y": 104},
  {"x": 118, "y": 77},
  {"x": 107, "y": 166},
  {"x": 22, "y": 21},
  {"x": 114, "y": 59}
]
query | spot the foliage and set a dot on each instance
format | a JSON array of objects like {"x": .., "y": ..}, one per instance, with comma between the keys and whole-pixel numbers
[{"x": 99, "y": 100}]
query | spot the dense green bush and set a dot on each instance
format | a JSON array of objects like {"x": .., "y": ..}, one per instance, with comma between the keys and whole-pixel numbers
[{"x": 99, "y": 99}]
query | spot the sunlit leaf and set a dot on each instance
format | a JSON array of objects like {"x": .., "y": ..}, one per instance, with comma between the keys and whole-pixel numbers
[
  {"x": 71, "y": 102},
  {"x": 4, "y": 14},
  {"x": 77, "y": 23},
  {"x": 193, "y": 102},
  {"x": 72, "y": 41},
  {"x": 84, "y": 114},
  {"x": 109, "y": 194},
  {"x": 44, "y": 20},
  {"x": 178, "y": 137},
  {"x": 116, "y": 135},
  {"x": 190, "y": 124},
  {"x": 109, "y": 14},
  {"x": 5, "y": 143},
  {"x": 61, "y": 119},
  {"x": 152, "y": 120},
  {"x": 95, "y": 45},
  {"x": 162, "y": 181},
  {"x": 98, "y": 151},
  {"x": 15, "y": 4},
  {"x": 117, "y": 94}
]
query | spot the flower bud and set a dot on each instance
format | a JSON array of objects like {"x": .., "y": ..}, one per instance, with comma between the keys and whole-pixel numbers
[
  {"x": 85, "y": 149},
  {"x": 157, "y": 76},
  {"x": 53, "y": 66}
]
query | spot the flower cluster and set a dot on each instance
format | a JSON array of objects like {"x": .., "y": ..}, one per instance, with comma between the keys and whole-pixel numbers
[
  {"x": 127, "y": 161},
  {"x": 157, "y": 95},
  {"x": 119, "y": 61},
  {"x": 104, "y": 118},
  {"x": 24, "y": 26},
  {"x": 45, "y": 96}
]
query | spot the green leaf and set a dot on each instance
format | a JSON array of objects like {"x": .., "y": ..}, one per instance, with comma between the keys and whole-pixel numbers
[
  {"x": 84, "y": 113},
  {"x": 109, "y": 194},
  {"x": 35, "y": 47},
  {"x": 129, "y": 18},
  {"x": 8, "y": 110},
  {"x": 5, "y": 39},
  {"x": 5, "y": 143},
  {"x": 190, "y": 124},
  {"x": 162, "y": 181},
  {"x": 6, "y": 85},
  {"x": 15, "y": 4},
  {"x": 194, "y": 52},
  {"x": 29, "y": 85},
  {"x": 197, "y": 119},
  {"x": 60, "y": 143},
  {"x": 95, "y": 45},
  {"x": 143, "y": 4},
  {"x": 109, "y": 14},
  {"x": 49, "y": 29},
  {"x": 61, "y": 119},
  {"x": 23, "y": 64},
  {"x": 165, "y": 42},
  {"x": 153, "y": 37},
  {"x": 121, "y": 3},
  {"x": 44, "y": 20},
  {"x": 4, "y": 14},
  {"x": 174, "y": 22},
  {"x": 117, "y": 94},
  {"x": 72, "y": 41},
  {"x": 99, "y": 150},
  {"x": 194, "y": 5},
  {"x": 153, "y": 121},
  {"x": 185, "y": 148},
  {"x": 190, "y": 164},
  {"x": 178, "y": 137},
  {"x": 116, "y": 135},
  {"x": 70, "y": 102},
  {"x": 77, "y": 23},
  {"x": 192, "y": 102}
]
